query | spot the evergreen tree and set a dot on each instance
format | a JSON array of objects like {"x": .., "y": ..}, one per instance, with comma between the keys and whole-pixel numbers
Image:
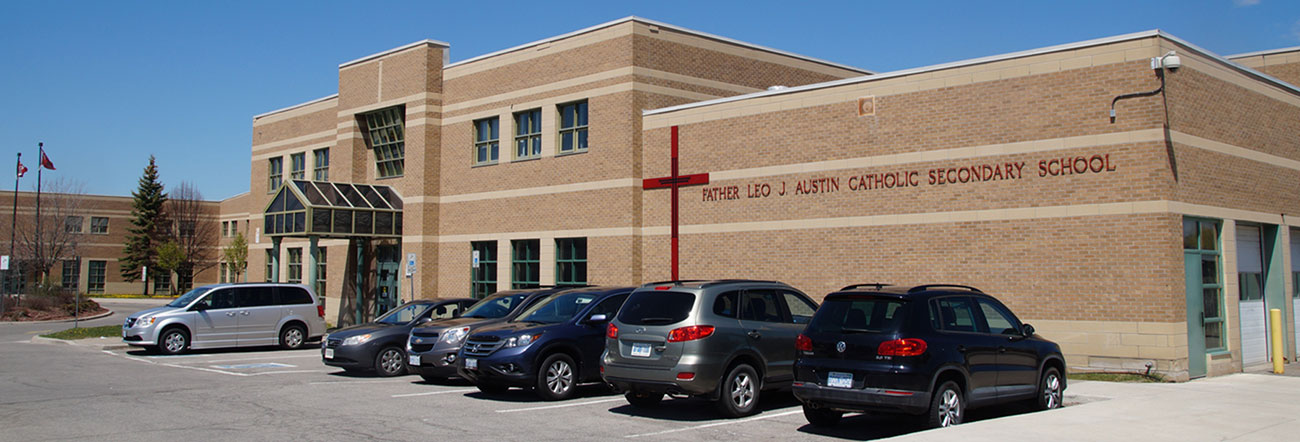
[{"x": 148, "y": 224}]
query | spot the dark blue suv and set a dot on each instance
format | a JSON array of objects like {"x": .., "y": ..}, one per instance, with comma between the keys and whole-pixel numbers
[
  {"x": 932, "y": 350},
  {"x": 551, "y": 346}
]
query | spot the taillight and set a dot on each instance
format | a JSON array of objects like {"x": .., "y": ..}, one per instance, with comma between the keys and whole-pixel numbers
[
  {"x": 611, "y": 331},
  {"x": 690, "y": 333},
  {"x": 803, "y": 343},
  {"x": 902, "y": 347},
  {"x": 320, "y": 310}
]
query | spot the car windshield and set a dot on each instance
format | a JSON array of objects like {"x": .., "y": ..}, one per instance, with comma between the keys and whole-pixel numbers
[
  {"x": 856, "y": 314},
  {"x": 187, "y": 298},
  {"x": 557, "y": 309},
  {"x": 495, "y": 307},
  {"x": 404, "y": 314}
]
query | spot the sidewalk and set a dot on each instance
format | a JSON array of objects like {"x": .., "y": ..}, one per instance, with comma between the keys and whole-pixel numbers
[{"x": 1243, "y": 406}]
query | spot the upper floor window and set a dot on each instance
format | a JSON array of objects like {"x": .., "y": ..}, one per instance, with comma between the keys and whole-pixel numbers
[
  {"x": 298, "y": 166},
  {"x": 528, "y": 134},
  {"x": 486, "y": 145},
  {"x": 274, "y": 173},
  {"x": 99, "y": 225},
  {"x": 72, "y": 224},
  {"x": 573, "y": 127},
  {"x": 386, "y": 135},
  {"x": 187, "y": 229},
  {"x": 321, "y": 172}
]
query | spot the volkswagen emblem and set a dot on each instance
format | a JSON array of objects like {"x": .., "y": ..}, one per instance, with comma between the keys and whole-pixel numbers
[{"x": 839, "y": 346}]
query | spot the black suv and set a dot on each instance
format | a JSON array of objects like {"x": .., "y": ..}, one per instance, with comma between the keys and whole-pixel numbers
[
  {"x": 432, "y": 349},
  {"x": 932, "y": 350}
]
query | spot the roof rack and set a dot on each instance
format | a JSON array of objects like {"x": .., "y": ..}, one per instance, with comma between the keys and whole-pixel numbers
[
  {"x": 728, "y": 281},
  {"x": 920, "y": 288},
  {"x": 877, "y": 285},
  {"x": 673, "y": 282}
]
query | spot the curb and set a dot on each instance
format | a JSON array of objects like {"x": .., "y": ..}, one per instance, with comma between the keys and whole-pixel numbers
[
  {"x": 114, "y": 346},
  {"x": 53, "y": 321}
]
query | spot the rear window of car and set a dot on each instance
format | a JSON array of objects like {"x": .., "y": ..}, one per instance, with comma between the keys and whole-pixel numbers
[
  {"x": 294, "y": 295},
  {"x": 656, "y": 308},
  {"x": 864, "y": 314}
]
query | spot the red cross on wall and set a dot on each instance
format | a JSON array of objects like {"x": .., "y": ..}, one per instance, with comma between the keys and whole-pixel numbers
[{"x": 675, "y": 181}]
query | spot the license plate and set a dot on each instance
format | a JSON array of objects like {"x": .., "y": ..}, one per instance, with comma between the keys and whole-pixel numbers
[
  {"x": 641, "y": 350},
  {"x": 471, "y": 364},
  {"x": 329, "y": 353},
  {"x": 840, "y": 380},
  {"x": 415, "y": 360}
]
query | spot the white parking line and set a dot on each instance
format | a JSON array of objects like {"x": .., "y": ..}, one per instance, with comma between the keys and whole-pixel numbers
[
  {"x": 215, "y": 361},
  {"x": 360, "y": 381},
  {"x": 209, "y": 370},
  {"x": 575, "y": 404},
  {"x": 697, "y": 427},
  {"x": 429, "y": 393}
]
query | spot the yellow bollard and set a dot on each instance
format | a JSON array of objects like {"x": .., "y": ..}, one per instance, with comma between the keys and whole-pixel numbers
[{"x": 1275, "y": 324}]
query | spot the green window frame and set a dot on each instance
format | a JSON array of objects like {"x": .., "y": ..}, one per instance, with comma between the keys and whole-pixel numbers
[
  {"x": 96, "y": 271},
  {"x": 71, "y": 273},
  {"x": 99, "y": 225},
  {"x": 525, "y": 263},
  {"x": 483, "y": 280},
  {"x": 1202, "y": 236},
  {"x": 571, "y": 261},
  {"x": 487, "y": 146},
  {"x": 162, "y": 282},
  {"x": 298, "y": 166},
  {"x": 295, "y": 265},
  {"x": 274, "y": 173},
  {"x": 321, "y": 277},
  {"x": 385, "y": 132},
  {"x": 321, "y": 169},
  {"x": 573, "y": 127},
  {"x": 528, "y": 134}
]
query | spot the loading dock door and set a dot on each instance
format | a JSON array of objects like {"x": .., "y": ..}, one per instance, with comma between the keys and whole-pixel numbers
[{"x": 1250, "y": 285}]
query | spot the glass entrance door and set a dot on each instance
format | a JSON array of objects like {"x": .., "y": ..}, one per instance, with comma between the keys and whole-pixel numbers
[
  {"x": 387, "y": 268},
  {"x": 1204, "y": 292}
]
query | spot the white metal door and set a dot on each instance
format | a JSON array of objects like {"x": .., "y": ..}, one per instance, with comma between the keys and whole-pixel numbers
[{"x": 1250, "y": 281}]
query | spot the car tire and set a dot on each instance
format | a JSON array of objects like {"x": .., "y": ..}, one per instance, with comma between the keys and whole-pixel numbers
[
  {"x": 173, "y": 341},
  {"x": 740, "y": 390},
  {"x": 557, "y": 377},
  {"x": 292, "y": 337},
  {"x": 391, "y": 361},
  {"x": 641, "y": 399},
  {"x": 1051, "y": 393},
  {"x": 822, "y": 417},
  {"x": 492, "y": 388},
  {"x": 947, "y": 406}
]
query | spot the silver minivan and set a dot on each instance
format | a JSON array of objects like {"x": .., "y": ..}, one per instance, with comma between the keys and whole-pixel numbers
[{"x": 230, "y": 315}]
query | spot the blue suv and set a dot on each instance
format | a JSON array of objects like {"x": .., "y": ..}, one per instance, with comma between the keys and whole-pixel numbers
[{"x": 551, "y": 346}]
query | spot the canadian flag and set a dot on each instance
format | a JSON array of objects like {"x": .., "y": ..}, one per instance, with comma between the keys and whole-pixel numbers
[
  {"x": 45, "y": 161},
  {"x": 21, "y": 169}
]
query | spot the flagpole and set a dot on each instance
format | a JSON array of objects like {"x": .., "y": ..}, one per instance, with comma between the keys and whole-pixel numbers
[
  {"x": 13, "y": 236},
  {"x": 37, "y": 249}
]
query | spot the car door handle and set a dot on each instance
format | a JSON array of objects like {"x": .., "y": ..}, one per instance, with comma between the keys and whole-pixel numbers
[
  {"x": 755, "y": 334},
  {"x": 961, "y": 349},
  {"x": 1002, "y": 349},
  {"x": 245, "y": 313},
  {"x": 230, "y": 314}
]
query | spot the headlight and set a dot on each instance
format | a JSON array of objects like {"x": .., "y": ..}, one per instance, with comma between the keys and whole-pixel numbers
[
  {"x": 455, "y": 335},
  {"x": 521, "y": 340},
  {"x": 357, "y": 340},
  {"x": 145, "y": 321}
]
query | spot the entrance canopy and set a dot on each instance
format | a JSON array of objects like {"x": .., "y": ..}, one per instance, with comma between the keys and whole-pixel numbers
[{"x": 340, "y": 210}]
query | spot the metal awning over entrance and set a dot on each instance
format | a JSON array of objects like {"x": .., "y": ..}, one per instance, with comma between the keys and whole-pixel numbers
[{"x": 333, "y": 210}]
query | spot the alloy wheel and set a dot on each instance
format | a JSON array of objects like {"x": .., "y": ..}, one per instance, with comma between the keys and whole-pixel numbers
[
  {"x": 174, "y": 341},
  {"x": 950, "y": 409},
  {"x": 1052, "y": 391},
  {"x": 391, "y": 361},
  {"x": 293, "y": 337},
  {"x": 742, "y": 390},
  {"x": 559, "y": 377}
]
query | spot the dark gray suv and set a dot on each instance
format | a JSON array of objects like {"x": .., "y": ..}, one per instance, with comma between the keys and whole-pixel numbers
[{"x": 724, "y": 340}]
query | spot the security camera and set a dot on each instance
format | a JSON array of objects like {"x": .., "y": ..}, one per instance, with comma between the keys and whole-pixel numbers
[{"x": 1168, "y": 61}]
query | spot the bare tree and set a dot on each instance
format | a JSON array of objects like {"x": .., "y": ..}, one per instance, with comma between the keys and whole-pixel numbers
[
  {"x": 61, "y": 221},
  {"x": 196, "y": 229}
]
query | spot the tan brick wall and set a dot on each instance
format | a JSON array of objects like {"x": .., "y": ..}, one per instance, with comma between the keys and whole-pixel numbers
[{"x": 658, "y": 53}]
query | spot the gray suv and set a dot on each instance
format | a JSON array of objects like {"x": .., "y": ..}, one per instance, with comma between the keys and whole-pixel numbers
[
  {"x": 724, "y": 340},
  {"x": 230, "y": 315}
]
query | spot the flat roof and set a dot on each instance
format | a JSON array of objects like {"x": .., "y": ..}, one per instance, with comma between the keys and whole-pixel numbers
[
  {"x": 1268, "y": 52},
  {"x": 309, "y": 103},
  {"x": 395, "y": 50},
  {"x": 983, "y": 60}
]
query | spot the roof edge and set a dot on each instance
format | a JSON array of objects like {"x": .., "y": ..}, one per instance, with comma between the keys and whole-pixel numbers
[
  {"x": 1264, "y": 52},
  {"x": 396, "y": 50},
  {"x": 285, "y": 109}
]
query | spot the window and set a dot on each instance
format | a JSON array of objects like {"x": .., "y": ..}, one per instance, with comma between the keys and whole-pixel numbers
[
  {"x": 72, "y": 224},
  {"x": 295, "y": 265},
  {"x": 1295, "y": 264},
  {"x": 270, "y": 264},
  {"x": 528, "y": 134},
  {"x": 525, "y": 263},
  {"x": 483, "y": 278},
  {"x": 571, "y": 261},
  {"x": 801, "y": 311},
  {"x": 385, "y": 133},
  {"x": 99, "y": 225},
  {"x": 1000, "y": 321},
  {"x": 225, "y": 228},
  {"x": 234, "y": 227},
  {"x": 187, "y": 229},
  {"x": 573, "y": 127},
  {"x": 760, "y": 305},
  {"x": 298, "y": 166},
  {"x": 321, "y": 171},
  {"x": 1201, "y": 237},
  {"x": 95, "y": 276},
  {"x": 222, "y": 273},
  {"x": 321, "y": 258},
  {"x": 956, "y": 314},
  {"x": 71, "y": 273},
  {"x": 162, "y": 282},
  {"x": 275, "y": 171},
  {"x": 486, "y": 145},
  {"x": 725, "y": 304}
]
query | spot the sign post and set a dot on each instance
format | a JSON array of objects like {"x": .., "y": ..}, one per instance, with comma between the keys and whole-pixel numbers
[
  {"x": 673, "y": 181},
  {"x": 410, "y": 274}
]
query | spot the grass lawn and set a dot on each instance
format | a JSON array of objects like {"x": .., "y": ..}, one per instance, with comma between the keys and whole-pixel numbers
[
  {"x": 1114, "y": 377},
  {"x": 84, "y": 332}
]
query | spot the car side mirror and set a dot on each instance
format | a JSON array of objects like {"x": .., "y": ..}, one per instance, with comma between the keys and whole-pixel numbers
[
  {"x": 423, "y": 320},
  {"x": 598, "y": 318},
  {"x": 199, "y": 307},
  {"x": 1027, "y": 330}
]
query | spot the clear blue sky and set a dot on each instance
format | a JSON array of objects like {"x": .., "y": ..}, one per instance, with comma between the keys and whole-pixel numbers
[{"x": 106, "y": 84}]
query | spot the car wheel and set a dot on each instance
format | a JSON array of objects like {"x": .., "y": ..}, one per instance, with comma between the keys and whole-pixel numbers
[
  {"x": 947, "y": 406},
  {"x": 391, "y": 361},
  {"x": 492, "y": 388},
  {"x": 739, "y": 392},
  {"x": 173, "y": 341},
  {"x": 641, "y": 399},
  {"x": 1051, "y": 393},
  {"x": 822, "y": 417},
  {"x": 292, "y": 337},
  {"x": 556, "y": 377}
]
